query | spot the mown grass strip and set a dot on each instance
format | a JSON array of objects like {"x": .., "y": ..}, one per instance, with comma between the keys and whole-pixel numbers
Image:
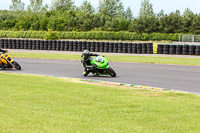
[
  {"x": 113, "y": 58},
  {"x": 43, "y": 104}
]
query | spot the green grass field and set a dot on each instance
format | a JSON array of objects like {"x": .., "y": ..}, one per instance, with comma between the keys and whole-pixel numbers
[
  {"x": 46, "y": 104},
  {"x": 113, "y": 58}
]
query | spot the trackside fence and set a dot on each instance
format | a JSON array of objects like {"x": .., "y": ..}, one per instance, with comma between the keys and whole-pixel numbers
[
  {"x": 178, "y": 49},
  {"x": 111, "y": 47},
  {"x": 189, "y": 38},
  {"x": 93, "y": 46}
]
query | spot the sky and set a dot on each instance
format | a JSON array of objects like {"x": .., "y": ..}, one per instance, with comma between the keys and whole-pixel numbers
[{"x": 167, "y": 5}]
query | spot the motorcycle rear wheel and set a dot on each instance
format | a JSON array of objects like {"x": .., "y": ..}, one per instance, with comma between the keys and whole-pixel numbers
[
  {"x": 17, "y": 66},
  {"x": 111, "y": 72}
]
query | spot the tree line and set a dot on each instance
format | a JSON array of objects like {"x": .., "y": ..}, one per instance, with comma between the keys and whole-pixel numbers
[{"x": 63, "y": 15}]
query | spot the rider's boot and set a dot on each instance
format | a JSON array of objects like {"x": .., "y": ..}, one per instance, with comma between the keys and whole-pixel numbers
[{"x": 85, "y": 73}]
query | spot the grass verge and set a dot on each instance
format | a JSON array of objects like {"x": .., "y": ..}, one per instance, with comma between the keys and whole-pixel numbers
[
  {"x": 45, "y": 104},
  {"x": 113, "y": 58}
]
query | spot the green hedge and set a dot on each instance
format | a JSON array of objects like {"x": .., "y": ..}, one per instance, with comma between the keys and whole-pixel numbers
[{"x": 96, "y": 35}]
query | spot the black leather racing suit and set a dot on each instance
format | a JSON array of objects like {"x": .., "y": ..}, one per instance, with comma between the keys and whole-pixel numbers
[
  {"x": 86, "y": 60},
  {"x": 3, "y": 65}
]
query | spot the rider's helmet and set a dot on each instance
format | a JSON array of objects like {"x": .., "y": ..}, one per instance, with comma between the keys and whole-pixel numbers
[{"x": 86, "y": 52}]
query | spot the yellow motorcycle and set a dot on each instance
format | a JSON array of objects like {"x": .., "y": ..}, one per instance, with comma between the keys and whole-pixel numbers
[{"x": 7, "y": 62}]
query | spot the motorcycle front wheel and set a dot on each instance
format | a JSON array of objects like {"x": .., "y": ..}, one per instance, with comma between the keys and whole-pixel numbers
[
  {"x": 111, "y": 72},
  {"x": 17, "y": 66}
]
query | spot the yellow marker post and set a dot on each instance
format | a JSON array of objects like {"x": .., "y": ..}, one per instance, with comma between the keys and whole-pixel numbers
[{"x": 155, "y": 48}]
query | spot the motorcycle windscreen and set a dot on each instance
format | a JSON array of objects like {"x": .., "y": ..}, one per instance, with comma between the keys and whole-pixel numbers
[{"x": 101, "y": 62}]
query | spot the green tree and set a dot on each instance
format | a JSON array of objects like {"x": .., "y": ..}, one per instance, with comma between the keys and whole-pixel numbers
[
  {"x": 174, "y": 23},
  {"x": 8, "y": 19},
  {"x": 24, "y": 22},
  {"x": 37, "y": 6},
  {"x": 122, "y": 24},
  {"x": 128, "y": 14},
  {"x": 110, "y": 11},
  {"x": 196, "y": 24},
  {"x": 17, "y": 5},
  {"x": 188, "y": 18},
  {"x": 85, "y": 17},
  {"x": 120, "y": 11},
  {"x": 86, "y": 7},
  {"x": 162, "y": 21},
  {"x": 62, "y": 5},
  {"x": 35, "y": 25},
  {"x": 85, "y": 21},
  {"x": 147, "y": 21},
  {"x": 43, "y": 23},
  {"x": 146, "y": 9},
  {"x": 111, "y": 8}
]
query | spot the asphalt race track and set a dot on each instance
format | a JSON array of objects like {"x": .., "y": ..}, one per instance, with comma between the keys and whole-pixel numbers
[{"x": 184, "y": 78}]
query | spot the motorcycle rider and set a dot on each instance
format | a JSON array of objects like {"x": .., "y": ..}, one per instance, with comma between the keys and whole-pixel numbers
[
  {"x": 86, "y": 61},
  {"x": 3, "y": 65}
]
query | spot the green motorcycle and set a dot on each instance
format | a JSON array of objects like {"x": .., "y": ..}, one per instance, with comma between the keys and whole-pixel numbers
[{"x": 100, "y": 66}]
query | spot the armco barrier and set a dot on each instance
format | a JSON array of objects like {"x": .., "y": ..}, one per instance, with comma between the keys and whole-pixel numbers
[
  {"x": 14, "y": 44},
  {"x": 45, "y": 43},
  {"x": 112, "y": 47},
  {"x": 115, "y": 47},
  {"x": 160, "y": 49},
  {"x": 192, "y": 49},
  {"x": 29, "y": 44},
  {"x": 185, "y": 50},
  {"x": 139, "y": 48},
  {"x": 41, "y": 45},
  {"x": 66, "y": 48},
  {"x": 178, "y": 49},
  {"x": 166, "y": 49},
  {"x": 49, "y": 44},
  {"x": 172, "y": 49},
  {"x": 80, "y": 44},
  {"x": 197, "y": 50},
  {"x": 125, "y": 47},
  {"x": 97, "y": 46},
  {"x": 53, "y": 45},
  {"x": 134, "y": 48},
  {"x": 9, "y": 43},
  {"x": 106, "y": 46},
  {"x": 37, "y": 45},
  {"x": 58, "y": 45},
  {"x": 144, "y": 48},
  {"x": 129, "y": 48},
  {"x": 5, "y": 43},
  {"x": 33, "y": 45},
  {"x": 2, "y": 43},
  {"x": 120, "y": 47},
  {"x": 17, "y": 44},
  {"x": 22, "y": 44},
  {"x": 26, "y": 44},
  {"x": 150, "y": 48},
  {"x": 102, "y": 46},
  {"x": 92, "y": 46}
]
